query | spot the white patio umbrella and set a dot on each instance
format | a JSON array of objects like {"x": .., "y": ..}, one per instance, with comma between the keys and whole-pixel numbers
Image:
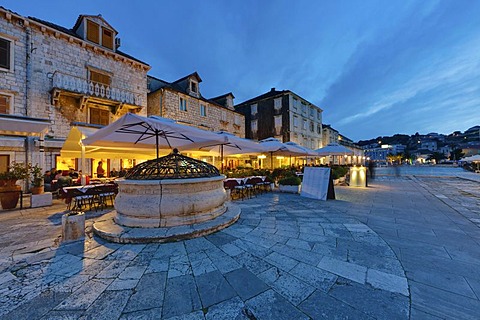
[
  {"x": 333, "y": 149},
  {"x": 273, "y": 145},
  {"x": 308, "y": 151},
  {"x": 234, "y": 145},
  {"x": 474, "y": 158},
  {"x": 136, "y": 131}
]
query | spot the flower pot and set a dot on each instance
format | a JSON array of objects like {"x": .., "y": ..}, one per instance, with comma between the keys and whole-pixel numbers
[
  {"x": 288, "y": 188},
  {"x": 37, "y": 190},
  {"x": 9, "y": 196}
]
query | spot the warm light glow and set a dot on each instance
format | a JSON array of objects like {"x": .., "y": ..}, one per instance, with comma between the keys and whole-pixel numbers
[
  {"x": 204, "y": 160},
  {"x": 280, "y": 157},
  {"x": 262, "y": 156}
]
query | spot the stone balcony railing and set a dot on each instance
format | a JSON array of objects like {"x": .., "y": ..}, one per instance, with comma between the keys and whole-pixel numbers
[{"x": 84, "y": 86}]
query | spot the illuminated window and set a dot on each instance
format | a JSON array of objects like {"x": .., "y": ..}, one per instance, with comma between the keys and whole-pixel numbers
[
  {"x": 93, "y": 32},
  {"x": 99, "y": 116},
  {"x": 183, "y": 104},
  {"x": 6, "y": 54}
]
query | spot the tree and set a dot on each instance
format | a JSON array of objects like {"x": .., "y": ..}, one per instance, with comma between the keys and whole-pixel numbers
[
  {"x": 437, "y": 156},
  {"x": 456, "y": 154}
]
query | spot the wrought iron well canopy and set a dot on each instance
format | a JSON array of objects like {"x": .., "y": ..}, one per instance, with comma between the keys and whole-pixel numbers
[{"x": 172, "y": 166}]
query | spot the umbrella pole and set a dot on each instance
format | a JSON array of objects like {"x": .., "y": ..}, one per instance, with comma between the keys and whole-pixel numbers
[
  {"x": 221, "y": 156},
  {"x": 156, "y": 142},
  {"x": 271, "y": 160}
]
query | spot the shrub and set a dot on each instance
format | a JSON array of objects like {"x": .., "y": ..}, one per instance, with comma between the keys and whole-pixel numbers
[
  {"x": 338, "y": 171},
  {"x": 290, "y": 181}
]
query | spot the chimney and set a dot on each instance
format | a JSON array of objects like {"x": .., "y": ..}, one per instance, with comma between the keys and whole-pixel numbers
[{"x": 272, "y": 90}]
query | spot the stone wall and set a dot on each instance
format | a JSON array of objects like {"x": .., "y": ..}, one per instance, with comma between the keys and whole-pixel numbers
[
  {"x": 214, "y": 120},
  {"x": 50, "y": 51}
]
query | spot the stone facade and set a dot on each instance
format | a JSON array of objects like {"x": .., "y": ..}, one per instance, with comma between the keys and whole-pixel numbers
[
  {"x": 164, "y": 100},
  {"x": 50, "y": 64},
  {"x": 283, "y": 115}
]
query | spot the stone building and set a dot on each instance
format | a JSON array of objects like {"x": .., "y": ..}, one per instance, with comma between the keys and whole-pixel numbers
[
  {"x": 52, "y": 76},
  {"x": 283, "y": 115},
  {"x": 330, "y": 135},
  {"x": 182, "y": 101}
]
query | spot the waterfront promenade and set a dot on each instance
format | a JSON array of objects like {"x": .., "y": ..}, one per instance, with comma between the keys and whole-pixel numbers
[{"x": 405, "y": 247}]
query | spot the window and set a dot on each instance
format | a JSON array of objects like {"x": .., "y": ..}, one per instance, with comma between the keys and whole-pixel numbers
[
  {"x": 312, "y": 126},
  {"x": 254, "y": 126},
  {"x": 295, "y": 121},
  {"x": 100, "y": 78},
  {"x": 4, "y": 163},
  {"x": 93, "y": 32},
  {"x": 253, "y": 109},
  {"x": 183, "y": 104},
  {"x": 193, "y": 87},
  {"x": 319, "y": 115},
  {"x": 99, "y": 116},
  {"x": 319, "y": 129},
  {"x": 311, "y": 112},
  {"x": 203, "y": 110},
  {"x": 224, "y": 115},
  {"x": 278, "y": 123},
  {"x": 237, "y": 120},
  {"x": 304, "y": 107},
  {"x": 277, "y": 103},
  {"x": 304, "y": 124},
  {"x": 295, "y": 103},
  {"x": 5, "y": 54},
  {"x": 107, "y": 38},
  {"x": 5, "y": 104}
]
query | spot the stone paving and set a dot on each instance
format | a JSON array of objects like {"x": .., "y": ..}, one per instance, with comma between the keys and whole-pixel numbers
[{"x": 391, "y": 251}]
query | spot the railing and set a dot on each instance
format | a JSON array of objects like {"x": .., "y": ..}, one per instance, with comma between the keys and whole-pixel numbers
[{"x": 95, "y": 89}]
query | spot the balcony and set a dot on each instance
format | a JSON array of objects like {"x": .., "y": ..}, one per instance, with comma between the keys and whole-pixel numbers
[{"x": 89, "y": 91}]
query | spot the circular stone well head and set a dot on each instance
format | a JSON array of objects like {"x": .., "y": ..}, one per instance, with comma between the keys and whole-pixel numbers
[
  {"x": 172, "y": 166},
  {"x": 170, "y": 191}
]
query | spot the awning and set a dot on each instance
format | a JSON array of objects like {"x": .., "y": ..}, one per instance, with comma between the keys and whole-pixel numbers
[
  {"x": 72, "y": 147},
  {"x": 22, "y": 126}
]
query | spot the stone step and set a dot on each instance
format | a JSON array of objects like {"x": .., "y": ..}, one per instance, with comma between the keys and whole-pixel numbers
[{"x": 106, "y": 228}]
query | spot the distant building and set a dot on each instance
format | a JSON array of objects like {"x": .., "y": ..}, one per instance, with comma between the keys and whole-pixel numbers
[
  {"x": 472, "y": 134},
  {"x": 182, "y": 100},
  {"x": 428, "y": 144},
  {"x": 329, "y": 135},
  {"x": 283, "y": 115}
]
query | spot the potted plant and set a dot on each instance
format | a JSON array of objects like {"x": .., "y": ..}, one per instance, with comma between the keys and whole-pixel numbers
[
  {"x": 37, "y": 179},
  {"x": 9, "y": 190},
  {"x": 290, "y": 184}
]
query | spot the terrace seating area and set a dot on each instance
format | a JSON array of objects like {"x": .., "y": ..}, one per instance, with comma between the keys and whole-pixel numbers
[
  {"x": 92, "y": 196},
  {"x": 247, "y": 187}
]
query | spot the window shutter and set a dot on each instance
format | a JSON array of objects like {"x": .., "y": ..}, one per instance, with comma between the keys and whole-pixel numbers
[
  {"x": 4, "y": 54},
  {"x": 93, "y": 31},
  {"x": 107, "y": 38},
  {"x": 99, "y": 78},
  {"x": 99, "y": 116},
  {"x": 4, "y": 104}
]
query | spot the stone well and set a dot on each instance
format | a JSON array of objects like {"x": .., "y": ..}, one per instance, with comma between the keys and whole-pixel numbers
[
  {"x": 168, "y": 203},
  {"x": 171, "y": 198}
]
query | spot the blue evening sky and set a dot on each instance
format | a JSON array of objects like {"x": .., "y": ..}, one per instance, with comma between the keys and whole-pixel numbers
[{"x": 374, "y": 67}]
